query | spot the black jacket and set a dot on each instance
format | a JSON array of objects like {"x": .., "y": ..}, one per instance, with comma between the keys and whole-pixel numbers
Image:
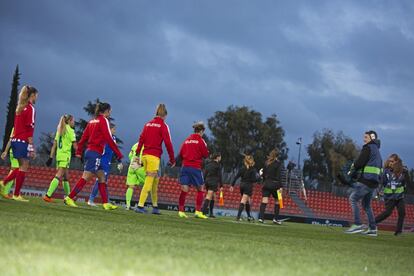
[
  {"x": 362, "y": 161},
  {"x": 272, "y": 174},
  {"x": 212, "y": 173},
  {"x": 247, "y": 175}
]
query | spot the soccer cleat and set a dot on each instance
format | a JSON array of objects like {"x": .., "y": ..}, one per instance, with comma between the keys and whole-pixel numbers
[
  {"x": 250, "y": 219},
  {"x": 92, "y": 204},
  {"x": 239, "y": 219},
  {"x": 70, "y": 202},
  {"x": 109, "y": 206},
  {"x": 355, "y": 229},
  {"x": 261, "y": 220},
  {"x": 182, "y": 214},
  {"x": 141, "y": 210},
  {"x": 278, "y": 222},
  {"x": 156, "y": 211},
  {"x": 48, "y": 199},
  {"x": 19, "y": 198},
  {"x": 212, "y": 216},
  {"x": 128, "y": 208},
  {"x": 370, "y": 232},
  {"x": 199, "y": 214},
  {"x": 397, "y": 233}
]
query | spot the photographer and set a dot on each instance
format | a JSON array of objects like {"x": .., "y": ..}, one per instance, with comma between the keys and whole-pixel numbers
[{"x": 367, "y": 172}]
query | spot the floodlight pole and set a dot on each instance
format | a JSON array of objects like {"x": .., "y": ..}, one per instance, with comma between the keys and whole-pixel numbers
[{"x": 299, "y": 142}]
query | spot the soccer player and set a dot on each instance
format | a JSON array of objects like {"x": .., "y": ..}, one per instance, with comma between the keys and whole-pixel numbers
[
  {"x": 271, "y": 183},
  {"x": 65, "y": 139},
  {"x": 192, "y": 152},
  {"x": 106, "y": 161},
  {"x": 22, "y": 140},
  {"x": 213, "y": 181},
  {"x": 248, "y": 175},
  {"x": 135, "y": 177},
  {"x": 154, "y": 133},
  {"x": 14, "y": 164},
  {"x": 395, "y": 180},
  {"x": 96, "y": 135}
]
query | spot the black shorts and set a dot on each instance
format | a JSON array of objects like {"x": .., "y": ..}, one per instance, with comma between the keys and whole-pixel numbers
[
  {"x": 270, "y": 189},
  {"x": 211, "y": 187},
  {"x": 246, "y": 189}
]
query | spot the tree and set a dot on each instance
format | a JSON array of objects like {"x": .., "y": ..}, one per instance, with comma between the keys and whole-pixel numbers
[
  {"x": 11, "y": 107},
  {"x": 46, "y": 143},
  {"x": 80, "y": 124},
  {"x": 240, "y": 130},
  {"x": 328, "y": 153}
]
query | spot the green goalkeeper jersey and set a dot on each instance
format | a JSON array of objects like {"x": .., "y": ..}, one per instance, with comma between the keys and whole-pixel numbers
[{"x": 64, "y": 143}]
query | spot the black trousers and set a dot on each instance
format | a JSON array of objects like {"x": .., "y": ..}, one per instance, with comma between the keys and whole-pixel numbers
[{"x": 389, "y": 206}]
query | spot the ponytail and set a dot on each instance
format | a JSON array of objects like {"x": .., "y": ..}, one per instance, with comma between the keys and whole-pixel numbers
[
  {"x": 24, "y": 96},
  {"x": 101, "y": 108},
  {"x": 248, "y": 161},
  {"x": 161, "y": 110},
  {"x": 272, "y": 157},
  {"x": 64, "y": 120}
]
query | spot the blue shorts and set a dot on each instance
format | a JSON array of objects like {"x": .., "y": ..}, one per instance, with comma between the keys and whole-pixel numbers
[
  {"x": 191, "y": 176},
  {"x": 20, "y": 149},
  {"x": 92, "y": 161}
]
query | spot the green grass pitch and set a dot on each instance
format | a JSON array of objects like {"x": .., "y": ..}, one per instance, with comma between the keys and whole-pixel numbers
[{"x": 52, "y": 239}]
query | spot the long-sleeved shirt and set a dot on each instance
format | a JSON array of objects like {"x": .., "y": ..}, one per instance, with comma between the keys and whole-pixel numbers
[
  {"x": 24, "y": 123},
  {"x": 154, "y": 133},
  {"x": 193, "y": 150},
  {"x": 97, "y": 134},
  {"x": 248, "y": 175},
  {"x": 212, "y": 173},
  {"x": 271, "y": 173},
  {"x": 362, "y": 161}
]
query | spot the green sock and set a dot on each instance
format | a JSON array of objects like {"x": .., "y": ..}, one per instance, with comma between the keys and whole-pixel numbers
[
  {"x": 52, "y": 188},
  {"x": 8, "y": 187},
  {"x": 66, "y": 187},
  {"x": 128, "y": 196}
]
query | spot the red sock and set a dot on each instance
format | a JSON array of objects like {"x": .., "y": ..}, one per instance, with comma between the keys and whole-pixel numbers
[
  {"x": 102, "y": 190},
  {"x": 12, "y": 175},
  {"x": 199, "y": 200},
  {"x": 79, "y": 186},
  {"x": 181, "y": 201},
  {"x": 19, "y": 182}
]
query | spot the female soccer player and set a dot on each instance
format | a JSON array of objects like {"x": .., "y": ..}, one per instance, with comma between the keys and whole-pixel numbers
[
  {"x": 271, "y": 183},
  {"x": 135, "y": 177},
  {"x": 248, "y": 175},
  {"x": 395, "y": 179},
  {"x": 192, "y": 152},
  {"x": 22, "y": 140},
  {"x": 154, "y": 133},
  {"x": 14, "y": 164},
  {"x": 62, "y": 145},
  {"x": 212, "y": 173},
  {"x": 106, "y": 161},
  {"x": 96, "y": 134}
]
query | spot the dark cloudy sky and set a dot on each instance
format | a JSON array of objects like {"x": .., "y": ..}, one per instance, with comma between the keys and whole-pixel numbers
[{"x": 344, "y": 65}]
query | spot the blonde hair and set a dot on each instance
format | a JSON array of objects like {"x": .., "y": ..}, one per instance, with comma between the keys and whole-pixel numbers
[
  {"x": 161, "y": 110},
  {"x": 248, "y": 161},
  {"x": 272, "y": 157},
  {"x": 64, "y": 120},
  {"x": 397, "y": 167},
  {"x": 24, "y": 97}
]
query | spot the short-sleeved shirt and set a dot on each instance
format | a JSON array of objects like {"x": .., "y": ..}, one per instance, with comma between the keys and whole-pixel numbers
[{"x": 64, "y": 143}]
